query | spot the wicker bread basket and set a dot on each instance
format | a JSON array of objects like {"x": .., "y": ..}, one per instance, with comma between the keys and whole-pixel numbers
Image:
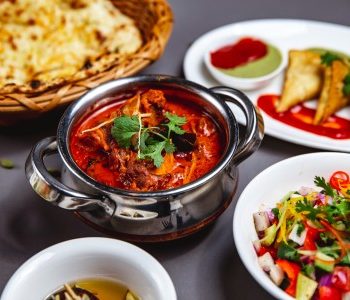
[{"x": 153, "y": 18}]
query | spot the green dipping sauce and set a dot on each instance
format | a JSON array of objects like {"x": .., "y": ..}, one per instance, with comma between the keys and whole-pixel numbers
[{"x": 260, "y": 67}]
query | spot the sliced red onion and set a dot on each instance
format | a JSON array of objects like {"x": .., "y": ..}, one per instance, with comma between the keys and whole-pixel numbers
[
  {"x": 270, "y": 215},
  {"x": 304, "y": 190},
  {"x": 326, "y": 280},
  {"x": 305, "y": 259},
  {"x": 339, "y": 276},
  {"x": 322, "y": 197}
]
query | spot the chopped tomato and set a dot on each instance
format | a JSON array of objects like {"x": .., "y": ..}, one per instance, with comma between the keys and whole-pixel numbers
[
  {"x": 312, "y": 235},
  {"x": 341, "y": 278},
  {"x": 339, "y": 178},
  {"x": 329, "y": 293},
  {"x": 292, "y": 270},
  {"x": 271, "y": 250}
]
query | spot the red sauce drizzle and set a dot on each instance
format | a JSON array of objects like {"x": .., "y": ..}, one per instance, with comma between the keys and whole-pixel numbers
[
  {"x": 302, "y": 117},
  {"x": 244, "y": 51}
]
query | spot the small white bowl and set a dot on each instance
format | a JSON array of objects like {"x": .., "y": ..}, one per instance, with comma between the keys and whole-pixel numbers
[
  {"x": 265, "y": 190},
  {"x": 239, "y": 82},
  {"x": 90, "y": 258}
]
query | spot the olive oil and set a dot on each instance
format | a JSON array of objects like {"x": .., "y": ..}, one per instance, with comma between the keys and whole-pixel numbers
[
  {"x": 95, "y": 289},
  {"x": 104, "y": 289}
]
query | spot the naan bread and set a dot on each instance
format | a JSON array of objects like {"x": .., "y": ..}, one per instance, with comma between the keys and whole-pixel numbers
[
  {"x": 332, "y": 98},
  {"x": 47, "y": 42},
  {"x": 303, "y": 79}
]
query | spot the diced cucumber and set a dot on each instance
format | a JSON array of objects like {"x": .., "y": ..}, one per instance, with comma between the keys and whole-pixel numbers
[
  {"x": 306, "y": 287},
  {"x": 324, "y": 261}
]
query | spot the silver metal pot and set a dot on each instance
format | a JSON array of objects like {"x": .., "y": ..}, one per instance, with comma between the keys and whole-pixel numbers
[{"x": 148, "y": 216}]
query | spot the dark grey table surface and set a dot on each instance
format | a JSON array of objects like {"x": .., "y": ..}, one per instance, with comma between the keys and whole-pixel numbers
[{"x": 205, "y": 266}]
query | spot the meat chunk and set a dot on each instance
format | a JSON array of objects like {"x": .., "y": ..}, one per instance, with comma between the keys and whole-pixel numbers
[
  {"x": 152, "y": 103},
  {"x": 138, "y": 175}
]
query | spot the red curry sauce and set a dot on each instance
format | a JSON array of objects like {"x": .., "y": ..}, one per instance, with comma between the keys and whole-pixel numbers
[
  {"x": 302, "y": 117},
  {"x": 99, "y": 155}
]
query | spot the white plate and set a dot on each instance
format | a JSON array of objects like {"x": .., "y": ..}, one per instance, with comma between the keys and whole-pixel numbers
[
  {"x": 265, "y": 190},
  {"x": 286, "y": 34}
]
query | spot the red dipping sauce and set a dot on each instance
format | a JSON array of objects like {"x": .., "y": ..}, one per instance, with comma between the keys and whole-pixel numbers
[
  {"x": 302, "y": 117},
  {"x": 244, "y": 51}
]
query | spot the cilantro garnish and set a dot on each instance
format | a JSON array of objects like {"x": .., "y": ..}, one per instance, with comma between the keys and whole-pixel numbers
[
  {"x": 174, "y": 123},
  {"x": 328, "y": 58},
  {"x": 124, "y": 129},
  {"x": 307, "y": 207},
  {"x": 286, "y": 251},
  {"x": 321, "y": 182},
  {"x": 300, "y": 228},
  {"x": 276, "y": 212},
  {"x": 151, "y": 142},
  {"x": 309, "y": 270}
]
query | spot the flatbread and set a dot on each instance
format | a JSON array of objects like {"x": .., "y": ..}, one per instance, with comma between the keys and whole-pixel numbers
[
  {"x": 303, "y": 79},
  {"x": 48, "y": 42},
  {"x": 332, "y": 98}
]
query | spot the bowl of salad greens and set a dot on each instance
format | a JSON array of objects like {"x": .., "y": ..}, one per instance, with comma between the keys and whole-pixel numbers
[{"x": 296, "y": 242}]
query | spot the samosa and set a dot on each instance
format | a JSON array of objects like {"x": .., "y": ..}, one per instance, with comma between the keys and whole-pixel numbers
[
  {"x": 332, "y": 96},
  {"x": 303, "y": 79}
]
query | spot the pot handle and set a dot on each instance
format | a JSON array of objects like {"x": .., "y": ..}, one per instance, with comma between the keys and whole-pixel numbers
[
  {"x": 55, "y": 192},
  {"x": 254, "y": 122}
]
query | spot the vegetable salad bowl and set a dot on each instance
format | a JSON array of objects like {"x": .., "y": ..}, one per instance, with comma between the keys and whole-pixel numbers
[{"x": 265, "y": 191}]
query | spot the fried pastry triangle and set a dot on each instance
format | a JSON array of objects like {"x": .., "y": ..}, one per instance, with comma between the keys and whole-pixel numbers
[
  {"x": 332, "y": 98},
  {"x": 303, "y": 79}
]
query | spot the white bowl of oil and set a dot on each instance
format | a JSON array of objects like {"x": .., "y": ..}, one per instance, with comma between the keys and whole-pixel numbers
[{"x": 92, "y": 264}]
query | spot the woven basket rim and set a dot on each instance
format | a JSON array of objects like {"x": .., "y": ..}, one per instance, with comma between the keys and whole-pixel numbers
[{"x": 15, "y": 101}]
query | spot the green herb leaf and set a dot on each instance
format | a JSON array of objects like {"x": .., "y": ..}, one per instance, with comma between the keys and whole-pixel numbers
[
  {"x": 6, "y": 163},
  {"x": 328, "y": 58},
  {"x": 124, "y": 128},
  {"x": 309, "y": 270},
  {"x": 325, "y": 238},
  {"x": 276, "y": 212},
  {"x": 300, "y": 228},
  {"x": 332, "y": 250},
  {"x": 346, "y": 87},
  {"x": 174, "y": 123},
  {"x": 151, "y": 142},
  {"x": 169, "y": 147},
  {"x": 305, "y": 206},
  {"x": 321, "y": 182},
  {"x": 346, "y": 259},
  {"x": 285, "y": 251},
  {"x": 154, "y": 152}
]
